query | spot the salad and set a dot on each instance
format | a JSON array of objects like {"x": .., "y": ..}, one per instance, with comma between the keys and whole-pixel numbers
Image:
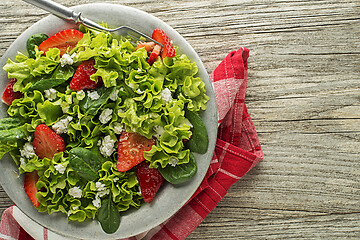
[{"x": 97, "y": 123}]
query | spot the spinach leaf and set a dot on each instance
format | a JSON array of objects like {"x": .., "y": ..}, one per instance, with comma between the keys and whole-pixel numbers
[
  {"x": 92, "y": 106},
  {"x": 12, "y": 134},
  {"x": 9, "y": 123},
  {"x": 85, "y": 163},
  {"x": 180, "y": 173},
  {"x": 45, "y": 84},
  {"x": 35, "y": 40},
  {"x": 109, "y": 216},
  {"x": 10, "y": 129},
  {"x": 199, "y": 140}
]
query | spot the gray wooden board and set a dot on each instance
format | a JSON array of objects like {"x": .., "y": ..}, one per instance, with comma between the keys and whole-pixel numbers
[{"x": 303, "y": 95}]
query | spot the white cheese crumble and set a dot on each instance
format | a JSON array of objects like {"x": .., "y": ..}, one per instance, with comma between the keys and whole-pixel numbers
[
  {"x": 105, "y": 115},
  {"x": 159, "y": 130},
  {"x": 96, "y": 202},
  {"x": 61, "y": 126},
  {"x": 50, "y": 94},
  {"x": 107, "y": 146},
  {"x": 166, "y": 95},
  {"x": 75, "y": 192},
  {"x": 139, "y": 70},
  {"x": 100, "y": 186},
  {"x": 114, "y": 95},
  {"x": 22, "y": 162},
  {"x": 66, "y": 59},
  {"x": 118, "y": 128},
  {"x": 60, "y": 168},
  {"x": 173, "y": 161},
  {"x": 80, "y": 95},
  {"x": 93, "y": 95},
  {"x": 27, "y": 151}
]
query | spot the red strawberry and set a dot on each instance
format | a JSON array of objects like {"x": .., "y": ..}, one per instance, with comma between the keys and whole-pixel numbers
[
  {"x": 150, "y": 180},
  {"x": 46, "y": 142},
  {"x": 149, "y": 46},
  {"x": 64, "y": 40},
  {"x": 160, "y": 36},
  {"x": 81, "y": 79},
  {"x": 30, "y": 181},
  {"x": 131, "y": 150},
  {"x": 154, "y": 54},
  {"x": 9, "y": 95}
]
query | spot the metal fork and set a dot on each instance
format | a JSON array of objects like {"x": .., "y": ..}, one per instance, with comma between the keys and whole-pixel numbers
[{"x": 71, "y": 15}]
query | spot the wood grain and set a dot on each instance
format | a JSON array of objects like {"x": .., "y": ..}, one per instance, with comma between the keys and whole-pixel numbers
[{"x": 303, "y": 95}]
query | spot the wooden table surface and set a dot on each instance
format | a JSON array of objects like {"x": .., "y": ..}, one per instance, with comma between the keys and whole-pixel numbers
[{"x": 303, "y": 95}]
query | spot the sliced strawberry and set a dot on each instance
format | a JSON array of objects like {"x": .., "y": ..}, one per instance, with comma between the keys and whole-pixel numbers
[
  {"x": 154, "y": 54},
  {"x": 64, "y": 40},
  {"x": 150, "y": 180},
  {"x": 9, "y": 95},
  {"x": 81, "y": 79},
  {"x": 131, "y": 149},
  {"x": 30, "y": 181},
  {"x": 46, "y": 142},
  {"x": 160, "y": 36},
  {"x": 149, "y": 46}
]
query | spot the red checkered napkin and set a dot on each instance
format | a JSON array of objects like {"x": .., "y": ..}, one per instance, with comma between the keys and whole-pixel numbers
[{"x": 237, "y": 151}]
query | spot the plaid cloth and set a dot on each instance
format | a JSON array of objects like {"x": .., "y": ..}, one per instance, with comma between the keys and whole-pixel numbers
[{"x": 237, "y": 151}]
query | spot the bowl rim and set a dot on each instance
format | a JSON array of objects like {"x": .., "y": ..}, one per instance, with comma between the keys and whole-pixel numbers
[{"x": 210, "y": 119}]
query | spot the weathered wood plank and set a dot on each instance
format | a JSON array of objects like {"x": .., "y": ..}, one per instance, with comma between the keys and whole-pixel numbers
[{"x": 303, "y": 94}]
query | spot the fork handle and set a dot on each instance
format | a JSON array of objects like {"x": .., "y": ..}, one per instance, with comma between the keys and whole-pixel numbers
[{"x": 56, "y": 9}]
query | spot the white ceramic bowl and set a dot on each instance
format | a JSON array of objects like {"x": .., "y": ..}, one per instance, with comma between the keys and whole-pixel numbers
[{"x": 170, "y": 198}]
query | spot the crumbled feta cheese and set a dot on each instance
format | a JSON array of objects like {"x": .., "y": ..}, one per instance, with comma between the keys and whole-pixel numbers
[
  {"x": 93, "y": 95},
  {"x": 166, "y": 95},
  {"x": 173, "y": 161},
  {"x": 114, "y": 95},
  {"x": 139, "y": 70},
  {"x": 100, "y": 186},
  {"x": 61, "y": 126},
  {"x": 75, "y": 208},
  {"x": 75, "y": 192},
  {"x": 103, "y": 193},
  {"x": 27, "y": 151},
  {"x": 22, "y": 162},
  {"x": 105, "y": 115},
  {"x": 80, "y": 95},
  {"x": 60, "y": 168},
  {"x": 96, "y": 202},
  {"x": 66, "y": 59},
  {"x": 159, "y": 130},
  {"x": 118, "y": 128},
  {"x": 107, "y": 146},
  {"x": 29, "y": 138},
  {"x": 50, "y": 94}
]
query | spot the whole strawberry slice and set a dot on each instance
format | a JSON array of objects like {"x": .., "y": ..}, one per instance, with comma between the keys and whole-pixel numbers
[
  {"x": 30, "y": 181},
  {"x": 46, "y": 142},
  {"x": 131, "y": 149},
  {"x": 81, "y": 79},
  {"x": 64, "y": 41},
  {"x": 154, "y": 54},
  {"x": 9, "y": 95},
  {"x": 150, "y": 180},
  {"x": 160, "y": 36}
]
